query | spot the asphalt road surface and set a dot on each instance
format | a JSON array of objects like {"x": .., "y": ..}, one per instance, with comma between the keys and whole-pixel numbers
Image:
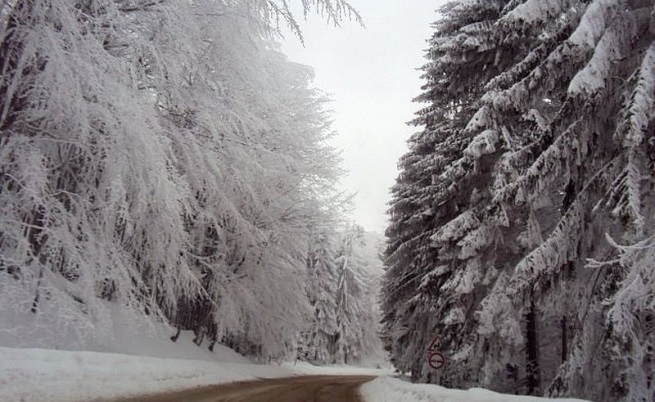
[{"x": 291, "y": 389}]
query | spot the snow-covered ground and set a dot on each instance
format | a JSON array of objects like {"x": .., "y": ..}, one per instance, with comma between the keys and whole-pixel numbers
[
  {"x": 309, "y": 369},
  {"x": 134, "y": 357},
  {"x": 30, "y": 375},
  {"x": 387, "y": 389},
  {"x": 121, "y": 356},
  {"x": 119, "y": 331}
]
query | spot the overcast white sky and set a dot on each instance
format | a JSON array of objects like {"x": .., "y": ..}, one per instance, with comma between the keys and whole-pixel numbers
[{"x": 370, "y": 73}]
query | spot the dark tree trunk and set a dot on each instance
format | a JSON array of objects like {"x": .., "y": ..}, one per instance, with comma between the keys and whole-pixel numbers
[
  {"x": 37, "y": 296},
  {"x": 565, "y": 351},
  {"x": 177, "y": 335},
  {"x": 532, "y": 350}
]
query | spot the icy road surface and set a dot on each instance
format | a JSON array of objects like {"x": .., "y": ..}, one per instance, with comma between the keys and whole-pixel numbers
[{"x": 292, "y": 389}]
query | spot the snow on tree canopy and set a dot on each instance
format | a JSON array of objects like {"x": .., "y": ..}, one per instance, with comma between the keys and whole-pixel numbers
[
  {"x": 546, "y": 143},
  {"x": 166, "y": 157},
  {"x": 534, "y": 11}
]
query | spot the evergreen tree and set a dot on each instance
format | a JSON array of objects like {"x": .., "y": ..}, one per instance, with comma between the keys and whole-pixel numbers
[
  {"x": 320, "y": 341},
  {"x": 578, "y": 179},
  {"x": 342, "y": 290},
  {"x": 552, "y": 176},
  {"x": 438, "y": 238},
  {"x": 350, "y": 296}
]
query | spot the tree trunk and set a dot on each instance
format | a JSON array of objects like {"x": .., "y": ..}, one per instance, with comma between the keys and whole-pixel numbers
[
  {"x": 565, "y": 351},
  {"x": 532, "y": 350}
]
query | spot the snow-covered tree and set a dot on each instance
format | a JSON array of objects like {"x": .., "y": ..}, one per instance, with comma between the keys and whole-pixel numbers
[
  {"x": 439, "y": 240},
  {"x": 162, "y": 155},
  {"x": 580, "y": 179},
  {"x": 320, "y": 339},
  {"x": 350, "y": 295},
  {"x": 551, "y": 188},
  {"x": 342, "y": 288}
]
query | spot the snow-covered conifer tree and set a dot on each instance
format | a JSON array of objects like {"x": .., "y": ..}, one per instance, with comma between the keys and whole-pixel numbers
[
  {"x": 439, "y": 241},
  {"x": 319, "y": 341},
  {"x": 552, "y": 235},
  {"x": 350, "y": 296},
  {"x": 342, "y": 289}
]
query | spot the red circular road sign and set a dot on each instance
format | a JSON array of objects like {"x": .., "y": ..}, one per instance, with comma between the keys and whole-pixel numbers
[{"x": 436, "y": 360}]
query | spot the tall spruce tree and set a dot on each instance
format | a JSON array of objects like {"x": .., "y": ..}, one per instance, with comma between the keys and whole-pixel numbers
[
  {"x": 581, "y": 182},
  {"x": 437, "y": 234},
  {"x": 319, "y": 340},
  {"x": 546, "y": 281},
  {"x": 341, "y": 288}
]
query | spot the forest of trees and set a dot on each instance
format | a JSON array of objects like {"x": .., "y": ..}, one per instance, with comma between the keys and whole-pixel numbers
[
  {"x": 165, "y": 156},
  {"x": 522, "y": 219}
]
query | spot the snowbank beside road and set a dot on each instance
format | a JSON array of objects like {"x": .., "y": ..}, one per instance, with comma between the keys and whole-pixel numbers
[
  {"x": 31, "y": 375},
  {"x": 125, "y": 355},
  {"x": 122, "y": 331},
  {"x": 304, "y": 368},
  {"x": 387, "y": 389}
]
